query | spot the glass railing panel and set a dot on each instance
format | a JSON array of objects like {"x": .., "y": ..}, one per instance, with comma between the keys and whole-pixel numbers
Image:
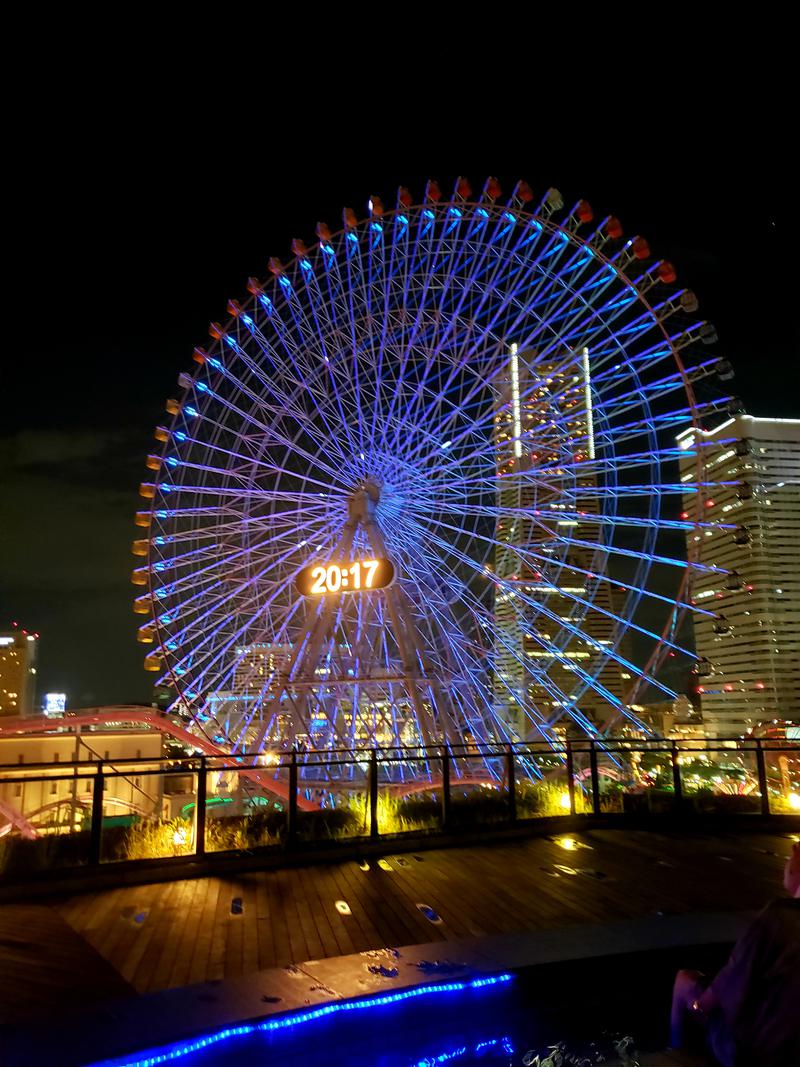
[
  {"x": 148, "y": 811},
  {"x": 246, "y": 803},
  {"x": 46, "y": 817}
]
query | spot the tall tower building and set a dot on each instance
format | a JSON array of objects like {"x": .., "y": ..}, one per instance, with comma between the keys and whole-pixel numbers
[
  {"x": 750, "y": 650},
  {"x": 542, "y": 427},
  {"x": 17, "y": 672}
]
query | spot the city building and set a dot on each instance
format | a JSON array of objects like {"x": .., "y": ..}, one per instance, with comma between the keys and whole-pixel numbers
[
  {"x": 258, "y": 668},
  {"x": 678, "y": 719},
  {"x": 54, "y": 705},
  {"x": 325, "y": 701},
  {"x": 543, "y": 427},
  {"x": 749, "y": 642},
  {"x": 49, "y": 801},
  {"x": 17, "y": 671}
]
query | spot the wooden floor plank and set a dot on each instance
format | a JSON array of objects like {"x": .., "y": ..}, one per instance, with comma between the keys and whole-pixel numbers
[
  {"x": 204, "y": 930},
  {"x": 322, "y": 922},
  {"x": 157, "y": 962},
  {"x": 366, "y": 931},
  {"x": 250, "y": 926},
  {"x": 280, "y": 932},
  {"x": 190, "y": 935},
  {"x": 216, "y": 956},
  {"x": 193, "y": 905},
  {"x": 289, "y": 903},
  {"x": 310, "y": 919}
]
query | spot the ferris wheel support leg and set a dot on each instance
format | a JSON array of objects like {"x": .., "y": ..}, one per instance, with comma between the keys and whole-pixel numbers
[
  {"x": 309, "y": 643},
  {"x": 425, "y": 721},
  {"x": 405, "y": 632},
  {"x": 349, "y": 733}
]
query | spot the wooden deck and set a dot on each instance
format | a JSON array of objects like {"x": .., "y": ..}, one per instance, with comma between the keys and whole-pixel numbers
[
  {"x": 144, "y": 938},
  {"x": 160, "y": 936}
]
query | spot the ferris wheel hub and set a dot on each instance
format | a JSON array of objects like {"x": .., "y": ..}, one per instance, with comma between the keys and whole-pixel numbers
[{"x": 362, "y": 503}]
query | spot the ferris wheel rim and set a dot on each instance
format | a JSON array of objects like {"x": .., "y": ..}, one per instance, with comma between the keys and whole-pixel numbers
[{"x": 554, "y": 228}]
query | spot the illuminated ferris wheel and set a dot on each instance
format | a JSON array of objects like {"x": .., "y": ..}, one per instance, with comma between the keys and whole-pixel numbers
[{"x": 423, "y": 484}]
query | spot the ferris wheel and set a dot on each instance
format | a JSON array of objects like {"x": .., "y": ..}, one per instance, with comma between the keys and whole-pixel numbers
[{"x": 421, "y": 483}]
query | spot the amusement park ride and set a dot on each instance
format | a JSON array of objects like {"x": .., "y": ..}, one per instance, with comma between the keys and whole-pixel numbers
[{"x": 417, "y": 488}]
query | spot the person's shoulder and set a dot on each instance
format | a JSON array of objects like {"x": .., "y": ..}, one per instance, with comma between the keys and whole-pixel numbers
[
  {"x": 782, "y": 913},
  {"x": 783, "y": 905}
]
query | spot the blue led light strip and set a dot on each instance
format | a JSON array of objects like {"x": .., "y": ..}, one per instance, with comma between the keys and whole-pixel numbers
[
  {"x": 169, "y": 1054},
  {"x": 501, "y": 1044}
]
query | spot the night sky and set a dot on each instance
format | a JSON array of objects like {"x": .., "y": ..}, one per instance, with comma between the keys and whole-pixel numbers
[{"x": 140, "y": 210}]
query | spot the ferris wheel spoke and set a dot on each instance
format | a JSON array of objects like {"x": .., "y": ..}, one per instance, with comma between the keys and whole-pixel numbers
[
  {"x": 554, "y": 652},
  {"x": 446, "y": 273},
  {"x": 603, "y": 549},
  {"x": 245, "y": 473},
  {"x": 272, "y": 434},
  {"x": 238, "y": 590},
  {"x": 238, "y": 524},
  {"x": 330, "y": 354},
  {"x": 287, "y": 406},
  {"x": 579, "y": 518},
  {"x": 423, "y": 321},
  {"x": 527, "y": 557},
  {"x": 258, "y": 700},
  {"x": 214, "y": 655},
  {"x": 291, "y": 354},
  {"x": 526, "y": 394},
  {"x": 459, "y": 648},
  {"x": 222, "y": 680},
  {"x": 384, "y": 396},
  {"x": 566, "y": 702},
  {"x": 549, "y": 647},
  {"x": 508, "y": 267}
]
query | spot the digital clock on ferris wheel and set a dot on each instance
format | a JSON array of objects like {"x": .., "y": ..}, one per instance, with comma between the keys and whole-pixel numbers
[{"x": 359, "y": 576}]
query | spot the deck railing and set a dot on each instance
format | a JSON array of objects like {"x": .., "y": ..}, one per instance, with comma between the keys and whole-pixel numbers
[{"x": 56, "y": 815}]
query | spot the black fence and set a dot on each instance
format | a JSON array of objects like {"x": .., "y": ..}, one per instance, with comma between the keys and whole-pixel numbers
[{"x": 58, "y": 815}]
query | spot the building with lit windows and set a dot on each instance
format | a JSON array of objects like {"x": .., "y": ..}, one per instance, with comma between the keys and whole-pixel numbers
[
  {"x": 543, "y": 419},
  {"x": 259, "y": 678},
  {"x": 258, "y": 668},
  {"x": 17, "y": 672},
  {"x": 255, "y": 680},
  {"x": 61, "y": 797},
  {"x": 749, "y": 645}
]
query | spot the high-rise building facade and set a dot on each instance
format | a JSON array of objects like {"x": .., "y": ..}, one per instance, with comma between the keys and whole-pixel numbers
[
  {"x": 17, "y": 672},
  {"x": 749, "y": 643},
  {"x": 543, "y": 431}
]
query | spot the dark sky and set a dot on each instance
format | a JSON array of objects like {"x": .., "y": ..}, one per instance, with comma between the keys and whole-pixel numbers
[{"x": 143, "y": 201}]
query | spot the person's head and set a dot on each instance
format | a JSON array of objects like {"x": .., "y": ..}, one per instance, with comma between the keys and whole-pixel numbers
[{"x": 791, "y": 872}]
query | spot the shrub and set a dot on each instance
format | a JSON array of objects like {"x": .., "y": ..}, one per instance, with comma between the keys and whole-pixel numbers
[{"x": 154, "y": 838}]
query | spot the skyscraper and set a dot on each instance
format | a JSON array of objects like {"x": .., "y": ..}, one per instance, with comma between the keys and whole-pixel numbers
[
  {"x": 17, "y": 672},
  {"x": 749, "y": 647},
  {"x": 543, "y": 432}
]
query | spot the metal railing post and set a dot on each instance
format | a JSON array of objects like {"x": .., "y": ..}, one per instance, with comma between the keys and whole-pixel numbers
[
  {"x": 291, "y": 814},
  {"x": 762, "y": 778},
  {"x": 445, "y": 787},
  {"x": 511, "y": 777},
  {"x": 595, "y": 778},
  {"x": 96, "y": 831},
  {"x": 676, "y": 777},
  {"x": 570, "y": 778},
  {"x": 373, "y": 794},
  {"x": 200, "y": 810}
]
